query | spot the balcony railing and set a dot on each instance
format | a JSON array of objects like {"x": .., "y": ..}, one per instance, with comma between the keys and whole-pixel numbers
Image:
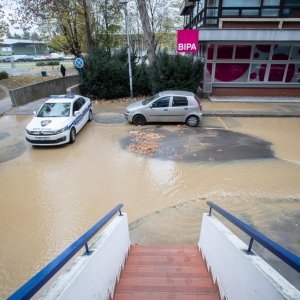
[{"x": 209, "y": 16}]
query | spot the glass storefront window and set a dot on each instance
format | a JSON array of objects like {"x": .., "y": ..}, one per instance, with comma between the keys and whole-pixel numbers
[
  {"x": 271, "y": 2},
  {"x": 230, "y": 12},
  {"x": 225, "y": 51},
  {"x": 267, "y": 12},
  {"x": 250, "y": 12},
  {"x": 212, "y": 3},
  {"x": 281, "y": 52},
  {"x": 292, "y": 3},
  {"x": 242, "y": 51},
  {"x": 295, "y": 52},
  {"x": 208, "y": 72},
  {"x": 210, "y": 51},
  {"x": 257, "y": 72},
  {"x": 241, "y": 3},
  {"x": 276, "y": 72},
  {"x": 261, "y": 52},
  {"x": 293, "y": 73},
  {"x": 231, "y": 72}
]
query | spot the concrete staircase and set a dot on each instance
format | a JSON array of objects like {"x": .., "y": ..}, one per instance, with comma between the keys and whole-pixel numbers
[{"x": 176, "y": 273}]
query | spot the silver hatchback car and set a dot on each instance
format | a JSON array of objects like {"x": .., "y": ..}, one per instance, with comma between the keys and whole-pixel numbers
[{"x": 167, "y": 106}]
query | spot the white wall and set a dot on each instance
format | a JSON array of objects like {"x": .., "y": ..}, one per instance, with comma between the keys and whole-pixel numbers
[
  {"x": 94, "y": 276},
  {"x": 240, "y": 276}
]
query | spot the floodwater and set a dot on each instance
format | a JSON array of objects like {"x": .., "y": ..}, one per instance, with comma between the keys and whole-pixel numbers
[{"x": 51, "y": 196}]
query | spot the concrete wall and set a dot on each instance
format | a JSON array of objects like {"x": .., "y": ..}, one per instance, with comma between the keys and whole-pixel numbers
[
  {"x": 40, "y": 90},
  {"x": 94, "y": 276},
  {"x": 239, "y": 275}
]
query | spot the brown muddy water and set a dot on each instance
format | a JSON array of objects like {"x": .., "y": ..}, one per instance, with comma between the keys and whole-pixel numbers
[{"x": 51, "y": 196}]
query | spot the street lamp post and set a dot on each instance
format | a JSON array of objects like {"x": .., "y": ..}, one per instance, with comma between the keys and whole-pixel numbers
[{"x": 124, "y": 2}]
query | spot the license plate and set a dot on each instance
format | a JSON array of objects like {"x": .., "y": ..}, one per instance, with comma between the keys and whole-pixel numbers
[{"x": 42, "y": 138}]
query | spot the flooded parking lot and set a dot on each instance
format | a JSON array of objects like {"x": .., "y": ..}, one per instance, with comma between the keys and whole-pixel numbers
[{"x": 50, "y": 196}]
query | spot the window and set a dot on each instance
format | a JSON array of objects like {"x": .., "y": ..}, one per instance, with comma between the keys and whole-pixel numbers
[
  {"x": 231, "y": 72},
  {"x": 241, "y": 3},
  {"x": 257, "y": 72},
  {"x": 276, "y": 72},
  {"x": 243, "y": 51},
  {"x": 210, "y": 51},
  {"x": 295, "y": 52},
  {"x": 281, "y": 52},
  {"x": 292, "y": 3},
  {"x": 270, "y": 12},
  {"x": 162, "y": 102},
  {"x": 81, "y": 102},
  {"x": 54, "y": 110},
  {"x": 271, "y": 2},
  {"x": 225, "y": 51},
  {"x": 293, "y": 73},
  {"x": 77, "y": 105},
  {"x": 261, "y": 52},
  {"x": 180, "y": 101}
]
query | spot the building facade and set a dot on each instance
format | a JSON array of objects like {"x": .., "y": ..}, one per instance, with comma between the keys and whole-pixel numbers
[
  {"x": 248, "y": 47},
  {"x": 22, "y": 47}
]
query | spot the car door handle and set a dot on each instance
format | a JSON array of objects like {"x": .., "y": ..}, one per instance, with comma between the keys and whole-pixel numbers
[
  {"x": 165, "y": 109},
  {"x": 186, "y": 108}
]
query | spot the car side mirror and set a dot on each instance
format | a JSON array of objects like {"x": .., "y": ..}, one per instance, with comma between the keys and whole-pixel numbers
[
  {"x": 76, "y": 113},
  {"x": 34, "y": 113}
]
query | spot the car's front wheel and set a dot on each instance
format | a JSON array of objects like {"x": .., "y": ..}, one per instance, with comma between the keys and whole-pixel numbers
[
  {"x": 90, "y": 116},
  {"x": 139, "y": 120},
  {"x": 72, "y": 135},
  {"x": 192, "y": 121}
]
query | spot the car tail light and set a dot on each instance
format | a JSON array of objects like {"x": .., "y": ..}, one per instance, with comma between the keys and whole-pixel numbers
[{"x": 198, "y": 102}]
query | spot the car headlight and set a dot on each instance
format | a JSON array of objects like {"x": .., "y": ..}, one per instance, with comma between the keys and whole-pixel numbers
[
  {"x": 62, "y": 130},
  {"x": 27, "y": 131}
]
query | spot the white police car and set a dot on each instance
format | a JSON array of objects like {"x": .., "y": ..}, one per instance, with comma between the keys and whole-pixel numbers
[{"x": 59, "y": 120}]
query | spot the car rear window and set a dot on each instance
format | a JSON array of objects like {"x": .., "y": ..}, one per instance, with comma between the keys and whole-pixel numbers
[{"x": 180, "y": 101}]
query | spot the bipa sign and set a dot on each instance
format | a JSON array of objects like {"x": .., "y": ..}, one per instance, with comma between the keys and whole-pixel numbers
[{"x": 187, "y": 40}]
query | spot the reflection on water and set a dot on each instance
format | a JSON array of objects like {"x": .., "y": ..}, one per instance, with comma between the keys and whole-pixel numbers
[{"x": 50, "y": 196}]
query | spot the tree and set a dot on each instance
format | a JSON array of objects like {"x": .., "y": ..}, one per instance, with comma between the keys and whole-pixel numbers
[
  {"x": 159, "y": 21},
  {"x": 148, "y": 31},
  {"x": 3, "y": 24},
  {"x": 107, "y": 18},
  {"x": 71, "y": 17}
]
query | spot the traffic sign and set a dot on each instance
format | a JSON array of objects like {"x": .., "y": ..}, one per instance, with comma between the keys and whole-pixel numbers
[{"x": 79, "y": 63}]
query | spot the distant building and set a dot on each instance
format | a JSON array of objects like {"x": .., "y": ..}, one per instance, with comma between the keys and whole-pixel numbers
[
  {"x": 249, "y": 47},
  {"x": 22, "y": 47}
]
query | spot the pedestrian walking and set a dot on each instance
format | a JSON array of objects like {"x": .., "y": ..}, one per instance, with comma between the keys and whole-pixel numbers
[{"x": 63, "y": 70}]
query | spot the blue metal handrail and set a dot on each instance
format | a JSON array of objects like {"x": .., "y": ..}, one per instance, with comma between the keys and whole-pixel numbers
[
  {"x": 41, "y": 278},
  {"x": 285, "y": 255}
]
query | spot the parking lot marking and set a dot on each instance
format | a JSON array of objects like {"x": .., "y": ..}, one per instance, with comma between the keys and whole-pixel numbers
[{"x": 223, "y": 123}]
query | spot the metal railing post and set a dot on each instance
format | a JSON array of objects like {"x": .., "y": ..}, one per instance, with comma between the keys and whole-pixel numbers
[
  {"x": 250, "y": 246},
  {"x": 87, "y": 250}
]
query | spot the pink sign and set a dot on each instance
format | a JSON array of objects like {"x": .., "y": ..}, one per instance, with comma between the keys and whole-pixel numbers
[{"x": 188, "y": 40}]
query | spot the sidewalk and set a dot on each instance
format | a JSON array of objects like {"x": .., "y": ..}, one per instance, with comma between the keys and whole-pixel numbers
[{"x": 216, "y": 106}]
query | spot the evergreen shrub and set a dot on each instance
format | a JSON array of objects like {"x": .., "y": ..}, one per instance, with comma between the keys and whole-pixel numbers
[
  {"x": 3, "y": 75},
  {"x": 175, "y": 72},
  {"x": 106, "y": 76}
]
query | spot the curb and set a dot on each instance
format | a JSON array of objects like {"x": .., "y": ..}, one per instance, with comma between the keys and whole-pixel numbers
[{"x": 251, "y": 114}]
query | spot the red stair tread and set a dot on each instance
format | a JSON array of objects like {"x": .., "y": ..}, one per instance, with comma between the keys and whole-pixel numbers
[
  {"x": 162, "y": 296},
  {"x": 165, "y": 271}
]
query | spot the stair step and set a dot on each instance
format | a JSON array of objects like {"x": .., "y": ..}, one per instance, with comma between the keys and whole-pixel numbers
[
  {"x": 136, "y": 250},
  {"x": 163, "y": 296},
  {"x": 172, "y": 260},
  {"x": 166, "y": 282},
  {"x": 165, "y": 271}
]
